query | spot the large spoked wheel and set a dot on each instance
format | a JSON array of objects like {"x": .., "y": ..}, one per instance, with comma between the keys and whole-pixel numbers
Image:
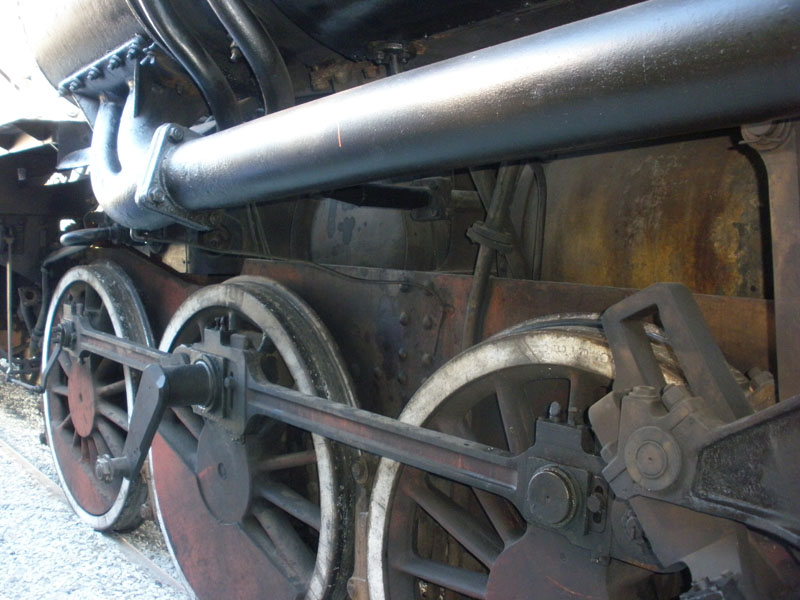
[
  {"x": 269, "y": 515},
  {"x": 431, "y": 538},
  {"x": 88, "y": 400}
]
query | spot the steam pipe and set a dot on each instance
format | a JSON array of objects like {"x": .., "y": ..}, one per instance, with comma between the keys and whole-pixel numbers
[
  {"x": 658, "y": 68},
  {"x": 259, "y": 50},
  {"x": 190, "y": 53}
]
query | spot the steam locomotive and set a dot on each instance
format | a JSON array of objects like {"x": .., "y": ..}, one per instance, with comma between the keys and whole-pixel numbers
[{"x": 424, "y": 299}]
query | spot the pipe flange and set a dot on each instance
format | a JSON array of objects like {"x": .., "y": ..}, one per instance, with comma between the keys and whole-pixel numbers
[{"x": 152, "y": 193}]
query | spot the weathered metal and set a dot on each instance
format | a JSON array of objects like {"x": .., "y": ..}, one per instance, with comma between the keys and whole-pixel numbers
[
  {"x": 87, "y": 400},
  {"x": 692, "y": 212},
  {"x": 621, "y": 76},
  {"x": 229, "y": 522},
  {"x": 375, "y": 313},
  {"x": 779, "y": 147}
]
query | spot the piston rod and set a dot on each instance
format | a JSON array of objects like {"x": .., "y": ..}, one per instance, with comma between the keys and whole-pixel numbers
[{"x": 655, "y": 69}]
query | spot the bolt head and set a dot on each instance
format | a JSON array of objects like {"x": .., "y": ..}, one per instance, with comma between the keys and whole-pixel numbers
[
  {"x": 175, "y": 134},
  {"x": 551, "y": 496},
  {"x": 103, "y": 470},
  {"x": 594, "y": 503}
]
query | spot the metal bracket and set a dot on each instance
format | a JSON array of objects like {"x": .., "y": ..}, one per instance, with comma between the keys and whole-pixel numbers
[
  {"x": 687, "y": 332},
  {"x": 152, "y": 192}
]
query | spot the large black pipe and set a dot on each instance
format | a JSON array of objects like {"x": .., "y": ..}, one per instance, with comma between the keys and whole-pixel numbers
[{"x": 654, "y": 69}]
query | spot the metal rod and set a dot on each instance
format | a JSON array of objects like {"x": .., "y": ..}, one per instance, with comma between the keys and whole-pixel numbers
[
  {"x": 446, "y": 455},
  {"x": 9, "y": 323},
  {"x": 190, "y": 53},
  {"x": 259, "y": 50},
  {"x": 118, "y": 350},
  {"x": 654, "y": 69},
  {"x": 495, "y": 219}
]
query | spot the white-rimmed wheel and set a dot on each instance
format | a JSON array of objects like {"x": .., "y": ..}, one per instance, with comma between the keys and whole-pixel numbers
[
  {"x": 87, "y": 402},
  {"x": 270, "y": 514},
  {"x": 431, "y": 538}
]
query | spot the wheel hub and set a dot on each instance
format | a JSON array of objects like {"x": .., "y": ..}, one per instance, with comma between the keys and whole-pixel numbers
[
  {"x": 223, "y": 475},
  {"x": 81, "y": 396},
  {"x": 551, "y": 496}
]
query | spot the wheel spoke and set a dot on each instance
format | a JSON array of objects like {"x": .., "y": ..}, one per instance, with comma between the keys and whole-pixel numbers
[
  {"x": 291, "y": 502},
  {"x": 287, "y": 461},
  {"x": 111, "y": 389},
  {"x": 65, "y": 423},
  {"x": 518, "y": 428},
  {"x": 478, "y": 539},
  {"x": 103, "y": 369},
  {"x": 60, "y": 389},
  {"x": 504, "y": 517},
  {"x": 100, "y": 443},
  {"x": 85, "y": 456},
  {"x": 114, "y": 440},
  {"x": 297, "y": 557},
  {"x": 583, "y": 388},
  {"x": 465, "y": 582},
  {"x": 113, "y": 413}
]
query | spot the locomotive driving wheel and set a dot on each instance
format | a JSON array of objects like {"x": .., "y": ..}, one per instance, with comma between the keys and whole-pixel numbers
[
  {"x": 267, "y": 514},
  {"x": 432, "y": 538},
  {"x": 88, "y": 399}
]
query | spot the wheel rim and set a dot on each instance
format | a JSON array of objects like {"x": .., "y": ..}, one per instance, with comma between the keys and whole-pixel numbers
[
  {"x": 428, "y": 535},
  {"x": 284, "y": 531},
  {"x": 87, "y": 403}
]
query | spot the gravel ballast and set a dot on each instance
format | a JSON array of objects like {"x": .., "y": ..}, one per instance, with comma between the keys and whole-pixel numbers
[{"x": 45, "y": 551}]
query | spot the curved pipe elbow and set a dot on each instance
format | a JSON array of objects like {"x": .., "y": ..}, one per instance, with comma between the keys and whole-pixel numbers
[{"x": 113, "y": 184}]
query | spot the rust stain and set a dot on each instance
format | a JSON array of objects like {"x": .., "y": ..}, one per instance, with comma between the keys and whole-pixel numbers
[
  {"x": 339, "y": 134},
  {"x": 566, "y": 589}
]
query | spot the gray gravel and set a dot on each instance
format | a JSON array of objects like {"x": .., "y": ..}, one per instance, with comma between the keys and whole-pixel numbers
[{"x": 45, "y": 551}]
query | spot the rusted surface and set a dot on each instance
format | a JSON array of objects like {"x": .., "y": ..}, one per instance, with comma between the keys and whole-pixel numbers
[
  {"x": 81, "y": 398},
  {"x": 688, "y": 212},
  {"x": 198, "y": 538},
  {"x": 389, "y": 324},
  {"x": 395, "y": 328}
]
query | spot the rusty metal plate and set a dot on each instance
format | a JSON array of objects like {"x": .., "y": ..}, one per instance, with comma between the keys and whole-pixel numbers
[
  {"x": 396, "y": 327},
  {"x": 691, "y": 212}
]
